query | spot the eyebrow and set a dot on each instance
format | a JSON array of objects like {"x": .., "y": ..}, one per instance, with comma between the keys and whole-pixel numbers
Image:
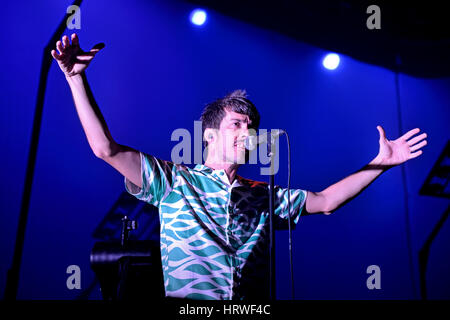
[{"x": 241, "y": 120}]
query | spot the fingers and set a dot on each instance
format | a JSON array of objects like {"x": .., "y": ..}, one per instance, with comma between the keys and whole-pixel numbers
[
  {"x": 415, "y": 154},
  {"x": 64, "y": 45},
  {"x": 88, "y": 56},
  {"x": 75, "y": 40},
  {"x": 97, "y": 47},
  {"x": 381, "y": 131},
  {"x": 418, "y": 146},
  {"x": 410, "y": 133},
  {"x": 66, "y": 41},
  {"x": 59, "y": 46},
  {"x": 417, "y": 139},
  {"x": 55, "y": 55},
  {"x": 85, "y": 57}
]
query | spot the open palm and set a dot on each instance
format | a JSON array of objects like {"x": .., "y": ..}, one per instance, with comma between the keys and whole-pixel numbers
[
  {"x": 395, "y": 152},
  {"x": 71, "y": 58}
]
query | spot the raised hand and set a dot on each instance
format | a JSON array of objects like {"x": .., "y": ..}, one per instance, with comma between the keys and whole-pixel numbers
[
  {"x": 71, "y": 58},
  {"x": 395, "y": 152}
]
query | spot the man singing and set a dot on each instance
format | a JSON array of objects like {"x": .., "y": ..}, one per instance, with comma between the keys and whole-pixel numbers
[{"x": 214, "y": 223}]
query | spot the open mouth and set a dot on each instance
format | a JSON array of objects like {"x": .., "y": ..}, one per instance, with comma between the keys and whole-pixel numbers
[{"x": 239, "y": 144}]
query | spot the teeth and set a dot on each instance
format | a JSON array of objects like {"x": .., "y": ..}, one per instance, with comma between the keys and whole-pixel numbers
[{"x": 239, "y": 144}]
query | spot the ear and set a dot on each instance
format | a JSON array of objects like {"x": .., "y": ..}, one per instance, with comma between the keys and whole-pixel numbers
[{"x": 209, "y": 135}]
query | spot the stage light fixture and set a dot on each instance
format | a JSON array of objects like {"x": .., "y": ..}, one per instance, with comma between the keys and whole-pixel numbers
[
  {"x": 331, "y": 61},
  {"x": 198, "y": 17}
]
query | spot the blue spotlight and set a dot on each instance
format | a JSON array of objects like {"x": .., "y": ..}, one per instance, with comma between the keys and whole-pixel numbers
[
  {"x": 198, "y": 17},
  {"x": 331, "y": 61}
]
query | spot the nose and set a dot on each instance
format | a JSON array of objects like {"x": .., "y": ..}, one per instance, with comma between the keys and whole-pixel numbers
[
  {"x": 246, "y": 132},
  {"x": 245, "y": 129}
]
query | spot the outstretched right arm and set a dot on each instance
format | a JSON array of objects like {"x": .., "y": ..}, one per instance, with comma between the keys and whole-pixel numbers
[{"x": 73, "y": 62}]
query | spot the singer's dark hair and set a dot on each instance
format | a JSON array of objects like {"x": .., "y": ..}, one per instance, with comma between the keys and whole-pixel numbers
[{"x": 235, "y": 101}]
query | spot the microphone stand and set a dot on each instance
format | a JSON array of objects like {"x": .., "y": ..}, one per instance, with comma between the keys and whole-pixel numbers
[
  {"x": 271, "y": 223},
  {"x": 12, "y": 279}
]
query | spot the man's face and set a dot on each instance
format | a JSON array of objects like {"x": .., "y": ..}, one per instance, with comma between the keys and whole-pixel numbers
[{"x": 232, "y": 132}]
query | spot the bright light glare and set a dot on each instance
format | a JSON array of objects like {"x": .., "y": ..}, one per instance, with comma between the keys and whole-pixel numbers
[
  {"x": 198, "y": 17},
  {"x": 331, "y": 61}
]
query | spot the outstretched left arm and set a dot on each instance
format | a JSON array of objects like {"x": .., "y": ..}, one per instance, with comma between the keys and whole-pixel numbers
[{"x": 391, "y": 153}]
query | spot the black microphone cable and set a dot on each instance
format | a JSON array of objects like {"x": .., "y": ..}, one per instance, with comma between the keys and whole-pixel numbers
[{"x": 289, "y": 216}]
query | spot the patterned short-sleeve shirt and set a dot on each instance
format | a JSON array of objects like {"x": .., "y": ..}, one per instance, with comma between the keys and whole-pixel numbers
[{"x": 214, "y": 235}]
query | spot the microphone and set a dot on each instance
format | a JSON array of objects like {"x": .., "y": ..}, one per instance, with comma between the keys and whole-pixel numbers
[{"x": 251, "y": 142}]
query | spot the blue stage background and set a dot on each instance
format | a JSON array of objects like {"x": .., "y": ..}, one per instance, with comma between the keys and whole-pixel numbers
[{"x": 155, "y": 75}]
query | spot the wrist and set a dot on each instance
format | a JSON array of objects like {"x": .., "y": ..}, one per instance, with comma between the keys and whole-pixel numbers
[
  {"x": 377, "y": 160},
  {"x": 379, "y": 163},
  {"x": 73, "y": 76},
  {"x": 76, "y": 78}
]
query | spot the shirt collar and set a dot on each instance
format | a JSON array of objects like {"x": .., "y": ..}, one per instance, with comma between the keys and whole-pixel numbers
[
  {"x": 201, "y": 167},
  {"x": 219, "y": 174}
]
